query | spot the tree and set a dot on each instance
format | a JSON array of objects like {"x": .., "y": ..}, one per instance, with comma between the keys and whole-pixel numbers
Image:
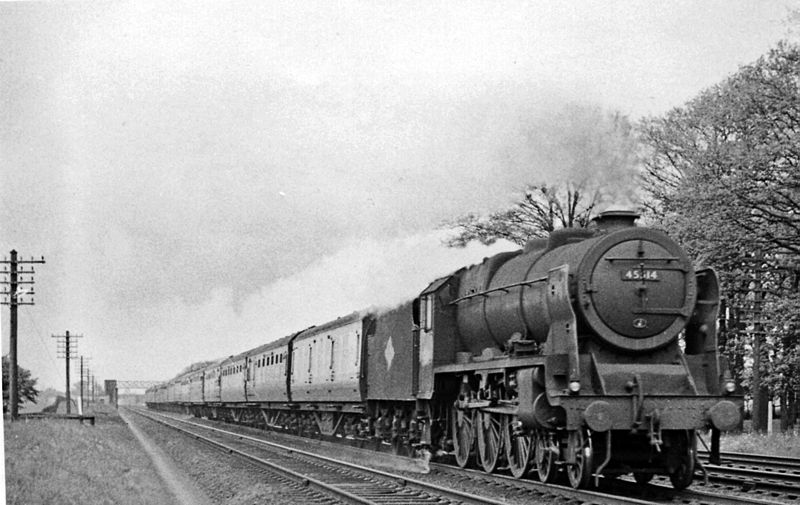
[
  {"x": 26, "y": 386},
  {"x": 723, "y": 176},
  {"x": 783, "y": 347},
  {"x": 591, "y": 155},
  {"x": 542, "y": 210},
  {"x": 731, "y": 155}
]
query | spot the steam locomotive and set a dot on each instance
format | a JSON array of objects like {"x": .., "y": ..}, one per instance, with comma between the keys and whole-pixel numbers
[{"x": 591, "y": 352}]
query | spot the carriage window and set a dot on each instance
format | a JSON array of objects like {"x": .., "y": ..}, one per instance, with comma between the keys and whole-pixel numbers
[
  {"x": 358, "y": 347},
  {"x": 310, "y": 354},
  {"x": 428, "y": 312},
  {"x": 333, "y": 345},
  {"x": 423, "y": 312}
]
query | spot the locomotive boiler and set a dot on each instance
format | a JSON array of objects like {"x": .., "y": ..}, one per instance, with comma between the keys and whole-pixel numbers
[{"x": 592, "y": 352}]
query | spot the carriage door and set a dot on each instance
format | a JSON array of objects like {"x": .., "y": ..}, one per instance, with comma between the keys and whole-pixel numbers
[{"x": 249, "y": 378}]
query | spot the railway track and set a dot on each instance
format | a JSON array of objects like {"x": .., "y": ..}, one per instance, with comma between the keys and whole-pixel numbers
[
  {"x": 780, "y": 464},
  {"x": 385, "y": 487},
  {"x": 343, "y": 482},
  {"x": 622, "y": 490},
  {"x": 774, "y": 476}
]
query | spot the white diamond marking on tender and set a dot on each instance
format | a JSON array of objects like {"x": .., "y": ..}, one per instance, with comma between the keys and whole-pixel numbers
[{"x": 388, "y": 353}]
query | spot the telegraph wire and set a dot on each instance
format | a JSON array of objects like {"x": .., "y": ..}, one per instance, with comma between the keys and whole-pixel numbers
[{"x": 39, "y": 333}]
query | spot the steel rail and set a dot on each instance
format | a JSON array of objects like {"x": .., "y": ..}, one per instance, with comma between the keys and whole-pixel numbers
[
  {"x": 768, "y": 475},
  {"x": 747, "y": 478},
  {"x": 755, "y": 459}
]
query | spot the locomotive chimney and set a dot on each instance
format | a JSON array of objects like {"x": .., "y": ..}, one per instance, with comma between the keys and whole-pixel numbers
[{"x": 615, "y": 219}]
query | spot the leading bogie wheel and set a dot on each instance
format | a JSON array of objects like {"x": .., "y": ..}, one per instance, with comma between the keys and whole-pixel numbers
[
  {"x": 463, "y": 435},
  {"x": 579, "y": 473},
  {"x": 546, "y": 455},
  {"x": 489, "y": 431},
  {"x": 682, "y": 477},
  {"x": 519, "y": 448}
]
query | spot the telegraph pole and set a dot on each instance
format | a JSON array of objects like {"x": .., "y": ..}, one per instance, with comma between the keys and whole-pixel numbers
[
  {"x": 67, "y": 348},
  {"x": 15, "y": 298},
  {"x": 80, "y": 409}
]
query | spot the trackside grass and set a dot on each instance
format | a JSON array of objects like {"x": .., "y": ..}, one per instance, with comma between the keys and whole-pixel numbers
[
  {"x": 775, "y": 444},
  {"x": 59, "y": 462}
]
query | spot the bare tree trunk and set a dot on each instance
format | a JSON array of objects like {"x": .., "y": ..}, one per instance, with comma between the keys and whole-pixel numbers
[
  {"x": 785, "y": 411},
  {"x": 759, "y": 392}
]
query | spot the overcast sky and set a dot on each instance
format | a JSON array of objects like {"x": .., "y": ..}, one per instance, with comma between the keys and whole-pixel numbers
[{"x": 204, "y": 177}]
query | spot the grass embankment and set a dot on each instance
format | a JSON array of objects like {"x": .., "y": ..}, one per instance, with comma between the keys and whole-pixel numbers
[
  {"x": 775, "y": 444},
  {"x": 52, "y": 461}
]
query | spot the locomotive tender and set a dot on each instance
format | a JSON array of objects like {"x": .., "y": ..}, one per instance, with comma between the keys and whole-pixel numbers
[{"x": 592, "y": 352}]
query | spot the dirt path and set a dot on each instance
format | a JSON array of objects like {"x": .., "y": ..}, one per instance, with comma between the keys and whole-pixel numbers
[{"x": 185, "y": 491}]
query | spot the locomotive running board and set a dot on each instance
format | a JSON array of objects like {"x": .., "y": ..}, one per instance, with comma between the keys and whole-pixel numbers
[{"x": 562, "y": 337}]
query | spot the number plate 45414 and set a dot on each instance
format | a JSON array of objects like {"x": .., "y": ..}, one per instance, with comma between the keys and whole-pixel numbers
[{"x": 638, "y": 274}]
